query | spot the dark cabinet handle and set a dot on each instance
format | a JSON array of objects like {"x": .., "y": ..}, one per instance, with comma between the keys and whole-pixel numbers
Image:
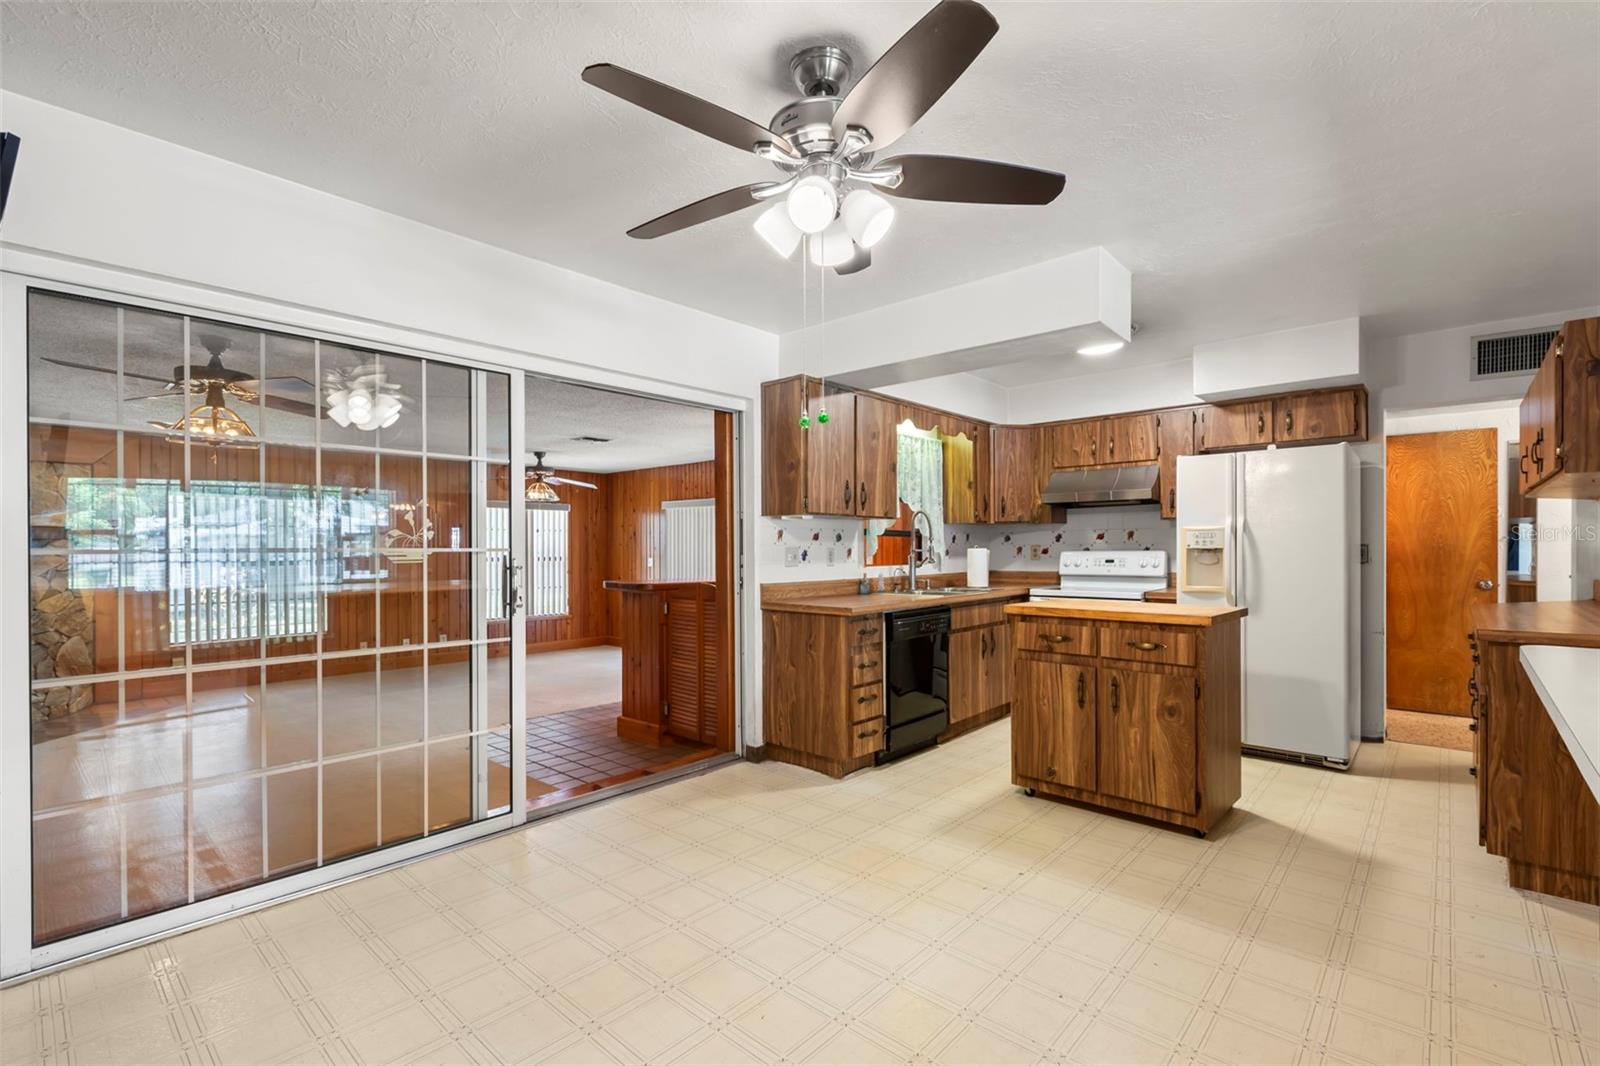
[
  {"x": 1146, "y": 645},
  {"x": 864, "y": 699},
  {"x": 1111, "y": 448},
  {"x": 848, "y": 495},
  {"x": 1002, "y": 507},
  {"x": 864, "y": 632},
  {"x": 865, "y": 733},
  {"x": 1473, "y": 770},
  {"x": 1288, "y": 421},
  {"x": 1116, "y": 696},
  {"x": 1522, "y": 464},
  {"x": 1094, "y": 447},
  {"x": 1172, "y": 499},
  {"x": 1082, "y": 684},
  {"x": 985, "y": 644},
  {"x": 1534, "y": 451},
  {"x": 861, "y": 495},
  {"x": 869, "y": 666},
  {"x": 1261, "y": 423}
]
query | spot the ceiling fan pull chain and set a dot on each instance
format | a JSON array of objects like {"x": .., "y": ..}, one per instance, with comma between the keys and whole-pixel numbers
[
  {"x": 805, "y": 316},
  {"x": 822, "y": 325}
]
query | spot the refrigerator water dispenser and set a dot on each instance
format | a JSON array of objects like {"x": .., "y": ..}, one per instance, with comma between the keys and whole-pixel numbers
[{"x": 1203, "y": 566}]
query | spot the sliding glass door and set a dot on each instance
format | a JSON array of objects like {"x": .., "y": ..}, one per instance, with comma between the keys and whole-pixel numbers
[{"x": 272, "y": 585}]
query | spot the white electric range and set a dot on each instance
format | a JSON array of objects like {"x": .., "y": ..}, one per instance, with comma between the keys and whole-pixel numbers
[{"x": 1106, "y": 575}]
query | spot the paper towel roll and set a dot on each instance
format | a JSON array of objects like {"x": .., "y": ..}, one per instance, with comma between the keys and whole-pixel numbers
[{"x": 978, "y": 568}]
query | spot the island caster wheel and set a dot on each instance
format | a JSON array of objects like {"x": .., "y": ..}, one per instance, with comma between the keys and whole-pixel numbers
[
  {"x": 1029, "y": 792},
  {"x": 1200, "y": 834}
]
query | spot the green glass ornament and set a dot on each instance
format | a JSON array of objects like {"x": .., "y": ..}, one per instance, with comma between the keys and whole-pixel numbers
[
  {"x": 805, "y": 421},
  {"x": 822, "y": 417}
]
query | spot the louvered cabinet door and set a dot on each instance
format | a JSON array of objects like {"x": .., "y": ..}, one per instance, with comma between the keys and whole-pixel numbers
[{"x": 689, "y": 661}]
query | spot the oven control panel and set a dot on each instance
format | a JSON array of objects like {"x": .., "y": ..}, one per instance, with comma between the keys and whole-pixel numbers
[{"x": 1112, "y": 563}]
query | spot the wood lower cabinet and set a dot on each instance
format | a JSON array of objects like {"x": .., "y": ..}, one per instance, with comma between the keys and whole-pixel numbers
[
  {"x": 1134, "y": 716},
  {"x": 822, "y": 689},
  {"x": 1534, "y": 807},
  {"x": 1560, "y": 418},
  {"x": 1053, "y": 724},
  {"x": 979, "y": 666}
]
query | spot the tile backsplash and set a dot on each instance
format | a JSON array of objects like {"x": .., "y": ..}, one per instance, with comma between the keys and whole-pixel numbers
[{"x": 826, "y": 549}]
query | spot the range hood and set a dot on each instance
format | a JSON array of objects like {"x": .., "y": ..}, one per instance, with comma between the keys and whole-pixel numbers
[{"x": 1094, "y": 486}]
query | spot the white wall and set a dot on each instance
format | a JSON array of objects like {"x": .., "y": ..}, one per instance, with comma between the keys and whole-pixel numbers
[
  {"x": 964, "y": 394},
  {"x": 1133, "y": 388},
  {"x": 103, "y": 206},
  {"x": 1306, "y": 357}
]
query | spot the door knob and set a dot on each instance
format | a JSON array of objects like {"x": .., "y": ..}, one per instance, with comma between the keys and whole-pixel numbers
[{"x": 1486, "y": 585}]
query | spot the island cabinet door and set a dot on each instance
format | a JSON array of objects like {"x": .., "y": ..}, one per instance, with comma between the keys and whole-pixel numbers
[
  {"x": 1053, "y": 722},
  {"x": 1147, "y": 741}
]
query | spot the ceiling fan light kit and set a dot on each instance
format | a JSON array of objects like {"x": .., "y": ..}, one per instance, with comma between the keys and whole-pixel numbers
[
  {"x": 825, "y": 143},
  {"x": 832, "y": 247},
  {"x": 363, "y": 399},
  {"x": 774, "y": 227}
]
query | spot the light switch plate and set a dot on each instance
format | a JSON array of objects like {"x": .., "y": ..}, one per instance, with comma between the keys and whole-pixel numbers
[{"x": 791, "y": 556}]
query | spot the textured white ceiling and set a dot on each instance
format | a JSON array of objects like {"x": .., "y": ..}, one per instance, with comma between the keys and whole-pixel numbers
[
  {"x": 1256, "y": 166},
  {"x": 640, "y": 432}
]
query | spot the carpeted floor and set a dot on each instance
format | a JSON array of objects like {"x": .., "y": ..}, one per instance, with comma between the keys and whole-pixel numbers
[{"x": 1434, "y": 730}]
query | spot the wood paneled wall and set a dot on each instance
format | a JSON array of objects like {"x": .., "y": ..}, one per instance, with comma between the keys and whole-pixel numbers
[{"x": 636, "y": 533}]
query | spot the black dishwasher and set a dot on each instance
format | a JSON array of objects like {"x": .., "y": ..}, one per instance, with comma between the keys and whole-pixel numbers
[{"x": 917, "y": 680}]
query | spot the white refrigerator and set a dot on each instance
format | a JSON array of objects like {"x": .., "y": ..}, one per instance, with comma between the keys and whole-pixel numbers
[{"x": 1288, "y": 521}]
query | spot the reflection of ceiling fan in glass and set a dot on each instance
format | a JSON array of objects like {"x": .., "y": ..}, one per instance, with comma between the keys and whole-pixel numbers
[
  {"x": 542, "y": 481},
  {"x": 213, "y": 421},
  {"x": 362, "y": 398}
]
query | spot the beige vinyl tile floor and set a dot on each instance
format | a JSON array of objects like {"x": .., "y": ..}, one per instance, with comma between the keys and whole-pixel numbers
[{"x": 925, "y": 912}]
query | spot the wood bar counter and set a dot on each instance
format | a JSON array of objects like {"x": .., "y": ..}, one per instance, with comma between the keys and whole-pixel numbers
[
  {"x": 1128, "y": 706},
  {"x": 1534, "y": 806},
  {"x": 666, "y": 630}
]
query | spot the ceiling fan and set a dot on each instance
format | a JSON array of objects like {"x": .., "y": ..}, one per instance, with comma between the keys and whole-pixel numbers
[
  {"x": 213, "y": 420},
  {"x": 825, "y": 143},
  {"x": 542, "y": 481}
]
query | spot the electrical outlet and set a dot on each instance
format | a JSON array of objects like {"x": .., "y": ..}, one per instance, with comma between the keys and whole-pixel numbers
[
  {"x": 832, "y": 555},
  {"x": 1034, "y": 552},
  {"x": 791, "y": 556}
]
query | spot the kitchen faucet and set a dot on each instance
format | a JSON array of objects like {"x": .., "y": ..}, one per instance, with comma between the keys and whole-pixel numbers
[{"x": 919, "y": 556}]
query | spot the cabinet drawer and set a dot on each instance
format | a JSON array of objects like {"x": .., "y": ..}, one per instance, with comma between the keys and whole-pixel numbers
[
  {"x": 977, "y": 614},
  {"x": 866, "y": 666},
  {"x": 864, "y": 632},
  {"x": 1063, "y": 637},
  {"x": 865, "y": 703},
  {"x": 1149, "y": 644},
  {"x": 866, "y": 738}
]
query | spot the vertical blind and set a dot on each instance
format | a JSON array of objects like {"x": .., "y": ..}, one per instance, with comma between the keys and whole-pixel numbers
[
  {"x": 547, "y": 559},
  {"x": 688, "y": 536}
]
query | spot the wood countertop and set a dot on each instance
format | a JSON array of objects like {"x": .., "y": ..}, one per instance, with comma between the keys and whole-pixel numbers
[
  {"x": 1567, "y": 623},
  {"x": 1135, "y": 611},
  {"x": 855, "y": 605},
  {"x": 1166, "y": 595},
  {"x": 651, "y": 586}
]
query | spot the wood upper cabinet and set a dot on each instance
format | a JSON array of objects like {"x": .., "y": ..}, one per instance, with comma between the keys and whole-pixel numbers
[
  {"x": 1235, "y": 425},
  {"x": 1175, "y": 431},
  {"x": 1016, "y": 474},
  {"x": 1541, "y": 419},
  {"x": 1053, "y": 722},
  {"x": 1074, "y": 444},
  {"x": 1147, "y": 737},
  {"x": 1129, "y": 439},
  {"x": 783, "y": 447},
  {"x": 807, "y": 470},
  {"x": 877, "y": 491},
  {"x": 960, "y": 470},
  {"x": 1330, "y": 415},
  {"x": 982, "y": 473}
]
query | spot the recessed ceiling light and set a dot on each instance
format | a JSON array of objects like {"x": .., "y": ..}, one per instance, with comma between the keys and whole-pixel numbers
[{"x": 1102, "y": 349}]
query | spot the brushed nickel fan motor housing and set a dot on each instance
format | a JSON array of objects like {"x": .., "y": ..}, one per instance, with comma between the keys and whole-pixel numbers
[{"x": 820, "y": 73}]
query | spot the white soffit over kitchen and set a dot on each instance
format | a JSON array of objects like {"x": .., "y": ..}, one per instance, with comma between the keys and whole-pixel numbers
[{"x": 1255, "y": 166}]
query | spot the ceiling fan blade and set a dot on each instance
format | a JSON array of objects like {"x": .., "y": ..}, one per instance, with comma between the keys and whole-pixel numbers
[
  {"x": 722, "y": 203},
  {"x": 570, "y": 481},
  {"x": 678, "y": 106},
  {"x": 955, "y": 179},
  {"x": 298, "y": 407},
  {"x": 910, "y": 77},
  {"x": 106, "y": 370}
]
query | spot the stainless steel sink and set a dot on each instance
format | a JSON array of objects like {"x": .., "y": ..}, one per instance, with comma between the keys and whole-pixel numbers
[{"x": 946, "y": 590}]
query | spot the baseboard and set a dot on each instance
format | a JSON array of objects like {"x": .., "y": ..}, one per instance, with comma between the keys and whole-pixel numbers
[
  {"x": 576, "y": 642},
  {"x": 755, "y": 753}
]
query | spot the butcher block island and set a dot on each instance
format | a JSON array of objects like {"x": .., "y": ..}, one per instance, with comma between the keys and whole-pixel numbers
[{"x": 1127, "y": 706}]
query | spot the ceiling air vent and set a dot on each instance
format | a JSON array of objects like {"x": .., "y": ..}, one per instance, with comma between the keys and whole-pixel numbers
[{"x": 1510, "y": 354}]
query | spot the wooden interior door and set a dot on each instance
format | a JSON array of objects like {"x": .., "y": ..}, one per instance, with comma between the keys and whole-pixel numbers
[
  {"x": 1147, "y": 737},
  {"x": 1053, "y": 722},
  {"x": 1441, "y": 532}
]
